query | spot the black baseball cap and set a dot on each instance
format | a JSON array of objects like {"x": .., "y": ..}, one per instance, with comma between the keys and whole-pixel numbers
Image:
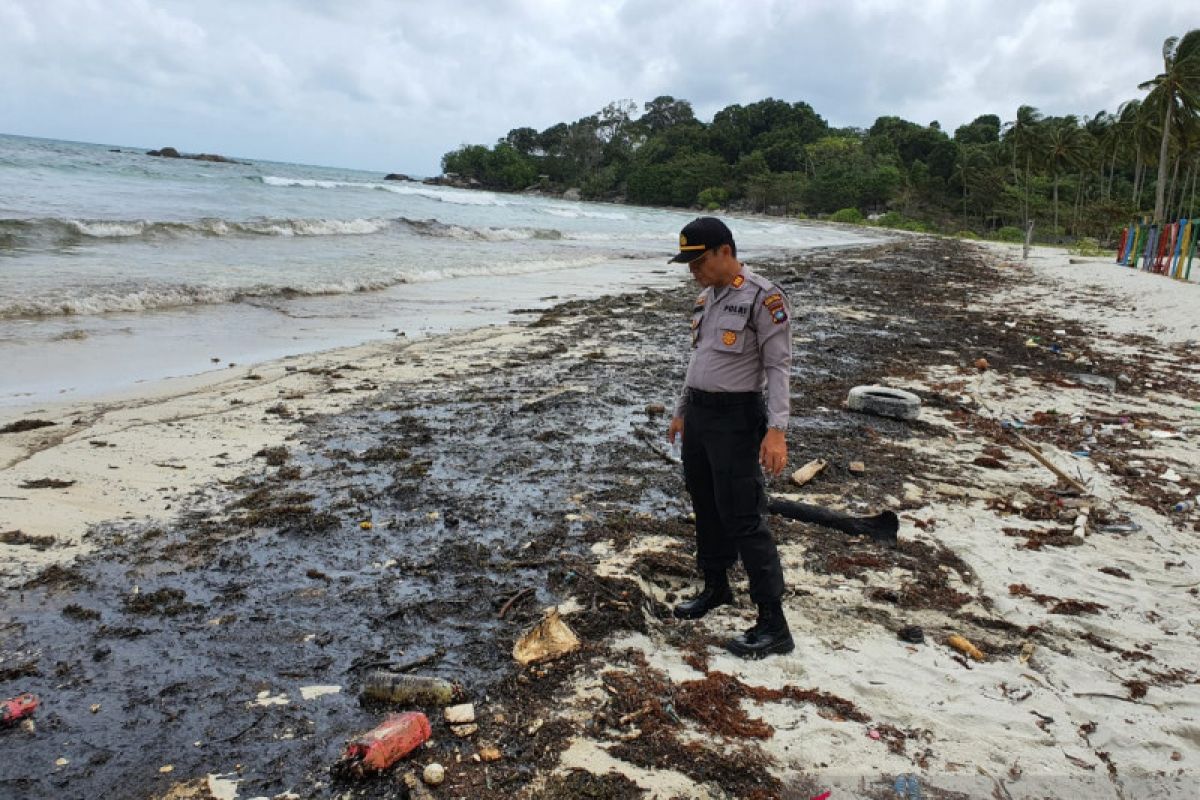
[{"x": 699, "y": 236}]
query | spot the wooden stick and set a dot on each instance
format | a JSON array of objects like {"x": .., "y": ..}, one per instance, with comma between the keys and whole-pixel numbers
[
  {"x": 641, "y": 712},
  {"x": 1032, "y": 449},
  {"x": 508, "y": 605},
  {"x": 656, "y": 445}
]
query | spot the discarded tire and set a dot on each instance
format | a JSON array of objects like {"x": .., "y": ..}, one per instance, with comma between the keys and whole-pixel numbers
[{"x": 885, "y": 402}]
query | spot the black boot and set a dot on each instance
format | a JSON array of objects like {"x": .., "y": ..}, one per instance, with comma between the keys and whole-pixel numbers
[
  {"x": 769, "y": 635},
  {"x": 716, "y": 592}
]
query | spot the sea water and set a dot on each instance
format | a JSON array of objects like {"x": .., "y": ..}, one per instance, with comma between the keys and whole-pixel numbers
[{"x": 117, "y": 267}]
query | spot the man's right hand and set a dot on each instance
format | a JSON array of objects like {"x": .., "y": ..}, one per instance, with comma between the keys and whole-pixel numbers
[{"x": 675, "y": 428}]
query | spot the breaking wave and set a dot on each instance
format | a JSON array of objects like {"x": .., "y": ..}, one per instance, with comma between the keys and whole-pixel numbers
[
  {"x": 433, "y": 227},
  {"x": 464, "y": 197},
  {"x": 158, "y": 298},
  {"x": 17, "y": 233},
  {"x": 576, "y": 213},
  {"x": 23, "y": 233},
  {"x": 166, "y": 296}
]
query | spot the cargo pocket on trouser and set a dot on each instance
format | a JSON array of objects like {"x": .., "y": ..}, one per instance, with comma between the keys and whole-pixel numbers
[
  {"x": 756, "y": 547},
  {"x": 747, "y": 504}
]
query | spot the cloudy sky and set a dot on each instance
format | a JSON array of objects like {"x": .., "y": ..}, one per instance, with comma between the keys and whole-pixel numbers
[{"x": 393, "y": 84}]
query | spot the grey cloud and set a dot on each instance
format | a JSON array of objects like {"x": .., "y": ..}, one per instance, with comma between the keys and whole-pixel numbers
[{"x": 393, "y": 85}]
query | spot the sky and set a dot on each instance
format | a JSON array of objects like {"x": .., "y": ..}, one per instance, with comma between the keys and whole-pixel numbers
[{"x": 391, "y": 85}]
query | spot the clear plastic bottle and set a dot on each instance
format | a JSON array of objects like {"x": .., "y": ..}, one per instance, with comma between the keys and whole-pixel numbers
[{"x": 394, "y": 687}]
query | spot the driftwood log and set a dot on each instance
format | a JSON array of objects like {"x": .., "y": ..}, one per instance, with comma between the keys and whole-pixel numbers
[{"x": 882, "y": 527}]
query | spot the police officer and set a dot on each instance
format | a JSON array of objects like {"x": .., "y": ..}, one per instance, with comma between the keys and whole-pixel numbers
[{"x": 741, "y": 345}]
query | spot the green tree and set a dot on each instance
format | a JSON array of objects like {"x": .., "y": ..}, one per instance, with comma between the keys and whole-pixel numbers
[
  {"x": 1023, "y": 137},
  {"x": 665, "y": 112},
  {"x": 983, "y": 129},
  {"x": 1066, "y": 146},
  {"x": 839, "y": 169},
  {"x": 524, "y": 140},
  {"x": 1176, "y": 92}
]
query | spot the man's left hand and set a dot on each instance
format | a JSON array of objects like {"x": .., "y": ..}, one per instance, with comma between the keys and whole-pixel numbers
[{"x": 773, "y": 452}]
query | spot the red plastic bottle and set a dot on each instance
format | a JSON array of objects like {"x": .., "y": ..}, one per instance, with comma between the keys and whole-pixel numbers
[{"x": 392, "y": 740}]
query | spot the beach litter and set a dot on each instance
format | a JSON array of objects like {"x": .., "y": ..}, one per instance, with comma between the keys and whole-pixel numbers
[
  {"x": 907, "y": 786},
  {"x": 461, "y": 714},
  {"x": 808, "y": 471},
  {"x": 392, "y": 687},
  {"x": 965, "y": 647},
  {"x": 383, "y": 746},
  {"x": 15, "y": 709},
  {"x": 884, "y": 401},
  {"x": 549, "y": 639}
]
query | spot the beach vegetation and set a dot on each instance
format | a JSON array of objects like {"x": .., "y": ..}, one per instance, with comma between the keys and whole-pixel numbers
[
  {"x": 851, "y": 216},
  {"x": 1087, "y": 246},
  {"x": 1067, "y": 176},
  {"x": 712, "y": 198},
  {"x": 896, "y": 220}
]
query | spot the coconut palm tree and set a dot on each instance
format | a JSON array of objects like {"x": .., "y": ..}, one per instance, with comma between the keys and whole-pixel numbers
[
  {"x": 1066, "y": 145},
  {"x": 1022, "y": 136},
  {"x": 1176, "y": 91},
  {"x": 1139, "y": 136}
]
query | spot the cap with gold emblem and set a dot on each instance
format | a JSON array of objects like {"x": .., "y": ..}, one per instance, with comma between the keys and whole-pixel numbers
[{"x": 700, "y": 235}]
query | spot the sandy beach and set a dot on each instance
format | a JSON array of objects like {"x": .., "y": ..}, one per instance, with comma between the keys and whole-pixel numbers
[{"x": 183, "y": 565}]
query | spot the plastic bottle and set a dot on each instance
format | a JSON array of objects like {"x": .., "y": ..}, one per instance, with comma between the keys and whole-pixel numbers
[
  {"x": 17, "y": 708},
  {"x": 394, "y": 687},
  {"x": 1184, "y": 505},
  {"x": 378, "y": 749}
]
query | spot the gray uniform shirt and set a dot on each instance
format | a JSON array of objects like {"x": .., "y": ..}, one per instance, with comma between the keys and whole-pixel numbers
[{"x": 742, "y": 342}]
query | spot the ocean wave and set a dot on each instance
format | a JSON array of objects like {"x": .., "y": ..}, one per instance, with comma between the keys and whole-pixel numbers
[
  {"x": 507, "y": 268},
  {"x": 18, "y": 233},
  {"x": 576, "y": 213},
  {"x": 433, "y": 227},
  {"x": 125, "y": 299},
  {"x": 442, "y": 195},
  {"x": 166, "y": 297}
]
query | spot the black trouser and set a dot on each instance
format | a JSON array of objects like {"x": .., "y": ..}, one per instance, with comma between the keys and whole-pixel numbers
[{"x": 722, "y": 434}]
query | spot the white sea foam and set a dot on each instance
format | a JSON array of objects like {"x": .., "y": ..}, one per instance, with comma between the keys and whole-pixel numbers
[
  {"x": 310, "y": 183},
  {"x": 443, "y": 195},
  {"x": 576, "y": 213},
  {"x": 56, "y": 231},
  {"x": 509, "y": 268},
  {"x": 177, "y": 296},
  {"x": 108, "y": 230}
]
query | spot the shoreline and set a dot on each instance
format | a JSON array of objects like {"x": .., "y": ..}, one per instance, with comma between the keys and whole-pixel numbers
[
  {"x": 133, "y": 453},
  {"x": 525, "y": 459}
]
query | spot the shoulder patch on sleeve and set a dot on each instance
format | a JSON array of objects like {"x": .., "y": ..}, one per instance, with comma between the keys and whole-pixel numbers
[{"x": 778, "y": 315}]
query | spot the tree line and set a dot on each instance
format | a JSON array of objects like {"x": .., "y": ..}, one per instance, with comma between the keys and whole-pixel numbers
[{"x": 1069, "y": 176}]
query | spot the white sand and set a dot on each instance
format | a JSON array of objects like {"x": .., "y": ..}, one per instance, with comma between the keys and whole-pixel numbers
[
  {"x": 1003, "y": 729},
  {"x": 135, "y": 456},
  {"x": 1131, "y": 300}
]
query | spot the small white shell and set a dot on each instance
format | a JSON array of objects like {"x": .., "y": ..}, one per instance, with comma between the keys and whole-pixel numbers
[{"x": 434, "y": 774}]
